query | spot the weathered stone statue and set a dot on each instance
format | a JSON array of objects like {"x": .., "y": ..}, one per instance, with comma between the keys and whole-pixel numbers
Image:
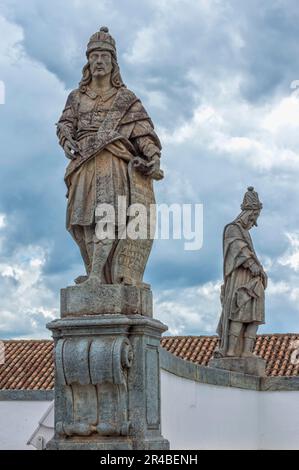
[
  {"x": 242, "y": 294},
  {"x": 114, "y": 151},
  {"x": 107, "y": 376}
]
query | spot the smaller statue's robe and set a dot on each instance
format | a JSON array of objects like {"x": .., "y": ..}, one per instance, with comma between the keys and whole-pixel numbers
[{"x": 242, "y": 294}]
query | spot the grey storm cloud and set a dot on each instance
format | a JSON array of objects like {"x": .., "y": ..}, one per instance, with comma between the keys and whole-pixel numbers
[{"x": 215, "y": 77}]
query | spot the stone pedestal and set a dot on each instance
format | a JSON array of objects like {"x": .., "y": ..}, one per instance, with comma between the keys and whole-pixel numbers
[
  {"x": 107, "y": 384},
  {"x": 245, "y": 365},
  {"x": 95, "y": 298}
]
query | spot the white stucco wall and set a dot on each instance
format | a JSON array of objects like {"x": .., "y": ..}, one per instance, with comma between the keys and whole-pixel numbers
[
  {"x": 201, "y": 416},
  {"x": 279, "y": 420},
  {"x": 194, "y": 416},
  {"x": 18, "y": 420}
]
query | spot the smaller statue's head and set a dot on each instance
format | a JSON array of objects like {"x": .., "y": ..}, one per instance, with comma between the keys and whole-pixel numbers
[
  {"x": 251, "y": 209},
  {"x": 102, "y": 59}
]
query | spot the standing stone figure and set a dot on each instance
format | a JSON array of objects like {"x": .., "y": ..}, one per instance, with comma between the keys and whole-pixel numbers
[
  {"x": 242, "y": 294},
  {"x": 107, "y": 369},
  {"x": 114, "y": 151}
]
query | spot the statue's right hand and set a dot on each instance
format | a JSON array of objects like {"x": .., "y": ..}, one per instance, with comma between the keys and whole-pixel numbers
[
  {"x": 255, "y": 269},
  {"x": 70, "y": 149}
]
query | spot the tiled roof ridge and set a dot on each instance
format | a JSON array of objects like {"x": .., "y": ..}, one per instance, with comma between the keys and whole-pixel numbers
[{"x": 27, "y": 340}]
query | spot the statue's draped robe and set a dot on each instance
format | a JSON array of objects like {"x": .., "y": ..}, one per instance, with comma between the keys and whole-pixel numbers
[
  {"x": 242, "y": 294},
  {"x": 110, "y": 129}
]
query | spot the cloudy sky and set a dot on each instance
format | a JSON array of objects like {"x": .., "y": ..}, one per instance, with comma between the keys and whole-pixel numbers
[{"x": 218, "y": 78}]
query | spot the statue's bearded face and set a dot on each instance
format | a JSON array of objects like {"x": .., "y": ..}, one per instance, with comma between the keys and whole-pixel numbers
[
  {"x": 252, "y": 220},
  {"x": 100, "y": 62}
]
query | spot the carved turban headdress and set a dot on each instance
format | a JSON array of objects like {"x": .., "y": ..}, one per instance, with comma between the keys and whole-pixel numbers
[
  {"x": 101, "y": 40},
  {"x": 251, "y": 200}
]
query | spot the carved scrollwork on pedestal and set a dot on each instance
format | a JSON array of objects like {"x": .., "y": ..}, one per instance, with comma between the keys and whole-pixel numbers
[{"x": 93, "y": 374}]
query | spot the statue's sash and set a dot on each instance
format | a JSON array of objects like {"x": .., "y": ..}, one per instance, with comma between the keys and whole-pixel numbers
[{"x": 107, "y": 132}]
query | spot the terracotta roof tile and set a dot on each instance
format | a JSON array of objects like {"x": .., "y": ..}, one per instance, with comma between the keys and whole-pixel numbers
[{"x": 29, "y": 363}]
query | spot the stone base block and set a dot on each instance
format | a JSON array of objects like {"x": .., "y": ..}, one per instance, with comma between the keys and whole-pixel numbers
[
  {"x": 108, "y": 444},
  {"x": 94, "y": 298},
  {"x": 90, "y": 444},
  {"x": 245, "y": 365}
]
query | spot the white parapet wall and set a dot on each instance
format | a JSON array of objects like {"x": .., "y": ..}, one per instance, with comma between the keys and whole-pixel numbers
[
  {"x": 204, "y": 416},
  {"x": 207, "y": 408}
]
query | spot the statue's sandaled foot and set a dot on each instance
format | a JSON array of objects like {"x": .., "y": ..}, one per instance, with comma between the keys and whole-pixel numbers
[
  {"x": 92, "y": 279},
  {"x": 81, "y": 279}
]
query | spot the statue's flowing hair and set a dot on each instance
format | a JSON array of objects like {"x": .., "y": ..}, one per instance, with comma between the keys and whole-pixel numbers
[{"x": 116, "y": 79}]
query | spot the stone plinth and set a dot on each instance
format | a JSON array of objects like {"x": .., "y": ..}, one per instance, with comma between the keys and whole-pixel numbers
[
  {"x": 107, "y": 384},
  {"x": 94, "y": 298},
  {"x": 245, "y": 365}
]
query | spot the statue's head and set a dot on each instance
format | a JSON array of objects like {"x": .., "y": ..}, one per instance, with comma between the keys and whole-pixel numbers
[
  {"x": 251, "y": 209},
  {"x": 102, "y": 59}
]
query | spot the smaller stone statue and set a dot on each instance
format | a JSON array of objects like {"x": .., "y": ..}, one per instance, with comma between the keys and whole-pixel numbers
[{"x": 242, "y": 293}]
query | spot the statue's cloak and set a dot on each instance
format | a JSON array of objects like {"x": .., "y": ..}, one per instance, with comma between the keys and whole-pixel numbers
[{"x": 242, "y": 294}]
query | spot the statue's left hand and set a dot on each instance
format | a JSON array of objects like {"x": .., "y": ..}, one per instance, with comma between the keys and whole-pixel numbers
[
  {"x": 153, "y": 165},
  {"x": 151, "y": 168}
]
